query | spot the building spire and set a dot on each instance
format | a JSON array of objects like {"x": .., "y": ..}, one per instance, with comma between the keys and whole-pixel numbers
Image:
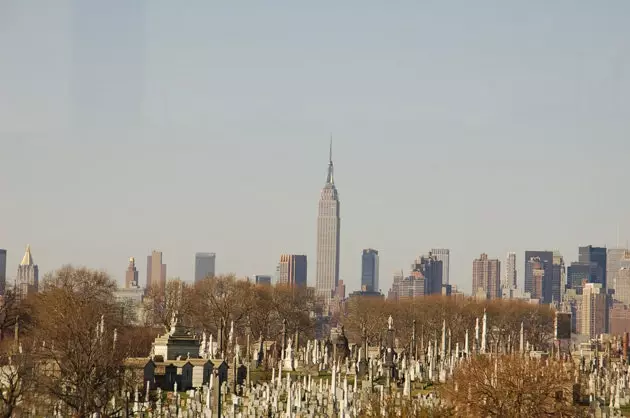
[
  {"x": 28, "y": 259},
  {"x": 330, "y": 178}
]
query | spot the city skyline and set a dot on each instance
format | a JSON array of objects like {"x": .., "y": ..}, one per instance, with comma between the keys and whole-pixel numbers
[{"x": 238, "y": 131}]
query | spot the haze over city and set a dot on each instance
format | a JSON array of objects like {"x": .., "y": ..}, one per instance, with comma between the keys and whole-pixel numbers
[{"x": 498, "y": 129}]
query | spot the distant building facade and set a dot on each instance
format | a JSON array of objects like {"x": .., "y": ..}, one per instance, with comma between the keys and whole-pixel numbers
[
  {"x": 622, "y": 287},
  {"x": 598, "y": 257},
  {"x": 424, "y": 279},
  {"x": 443, "y": 255},
  {"x": 536, "y": 278},
  {"x": 616, "y": 258},
  {"x": 430, "y": 268},
  {"x": 293, "y": 270},
  {"x": 156, "y": 271},
  {"x": 204, "y": 265},
  {"x": 558, "y": 279},
  {"x": 263, "y": 280},
  {"x": 487, "y": 277},
  {"x": 578, "y": 274},
  {"x": 619, "y": 319},
  {"x": 131, "y": 275},
  {"x": 369, "y": 270},
  {"x": 27, "y": 281},
  {"x": 3, "y": 271},
  {"x": 593, "y": 310},
  {"x": 509, "y": 278}
]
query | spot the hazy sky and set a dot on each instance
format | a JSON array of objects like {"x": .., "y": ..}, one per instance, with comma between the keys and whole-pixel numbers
[{"x": 127, "y": 126}]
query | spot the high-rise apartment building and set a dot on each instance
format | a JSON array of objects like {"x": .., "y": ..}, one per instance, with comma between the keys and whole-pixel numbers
[
  {"x": 443, "y": 255},
  {"x": 293, "y": 270},
  {"x": 487, "y": 277},
  {"x": 156, "y": 271},
  {"x": 544, "y": 261},
  {"x": 593, "y": 311},
  {"x": 328, "y": 234},
  {"x": 509, "y": 278},
  {"x": 369, "y": 270},
  {"x": 597, "y": 256},
  {"x": 3, "y": 271},
  {"x": 27, "y": 281},
  {"x": 204, "y": 265},
  {"x": 131, "y": 275},
  {"x": 616, "y": 258}
]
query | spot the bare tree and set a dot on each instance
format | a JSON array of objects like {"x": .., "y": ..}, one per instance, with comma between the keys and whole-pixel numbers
[
  {"x": 16, "y": 377},
  {"x": 161, "y": 303},
  {"x": 512, "y": 386},
  {"x": 76, "y": 319}
]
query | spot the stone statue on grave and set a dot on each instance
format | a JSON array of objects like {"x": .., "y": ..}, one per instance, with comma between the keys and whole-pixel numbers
[
  {"x": 288, "y": 356},
  {"x": 174, "y": 322},
  {"x": 390, "y": 322}
]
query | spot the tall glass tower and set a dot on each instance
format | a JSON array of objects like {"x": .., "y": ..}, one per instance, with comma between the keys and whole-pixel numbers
[{"x": 328, "y": 230}]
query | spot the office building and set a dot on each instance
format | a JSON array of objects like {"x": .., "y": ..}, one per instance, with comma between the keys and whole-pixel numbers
[
  {"x": 593, "y": 311},
  {"x": 131, "y": 275},
  {"x": 430, "y": 268},
  {"x": 3, "y": 271},
  {"x": 597, "y": 256},
  {"x": 262, "y": 280},
  {"x": 204, "y": 265},
  {"x": 558, "y": 279},
  {"x": 578, "y": 274},
  {"x": 536, "y": 269},
  {"x": 328, "y": 234},
  {"x": 616, "y": 258},
  {"x": 619, "y": 319},
  {"x": 509, "y": 278},
  {"x": 156, "y": 271},
  {"x": 622, "y": 288},
  {"x": 27, "y": 281},
  {"x": 292, "y": 270},
  {"x": 486, "y": 277},
  {"x": 369, "y": 270},
  {"x": 543, "y": 280},
  {"x": 412, "y": 286},
  {"x": 443, "y": 255}
]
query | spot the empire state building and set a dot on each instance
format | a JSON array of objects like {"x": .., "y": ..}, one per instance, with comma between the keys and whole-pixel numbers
[{"x": 328, "y": 229}]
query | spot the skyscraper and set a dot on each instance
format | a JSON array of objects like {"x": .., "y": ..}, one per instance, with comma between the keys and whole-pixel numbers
[
  {"x": 369, "y": 270},
  {"x": 131, "y": 275},
  {"x": 328, "y": 233},
  {"x": 558, "y": 278},
  {"x": 578, "y": 274},
  {"x": 156, "y": 271},
  {"x": 597, "y": 256},
  {"x": 204, "y": 265},
  {"x": 293, "y": 270},
  {"x": 487, "y": 277},
  {"x": 3, "y": 271},
  {"x": 546, "y": 260},
  {"x": 27, "y": 275},
  {"x": 430, "y": 269},
  {"x": 443, "y": 255},
  {"x": 593, "y": 313},
  {"x": 509, "y": 279},
  {"x": 614, "y": 259}
]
